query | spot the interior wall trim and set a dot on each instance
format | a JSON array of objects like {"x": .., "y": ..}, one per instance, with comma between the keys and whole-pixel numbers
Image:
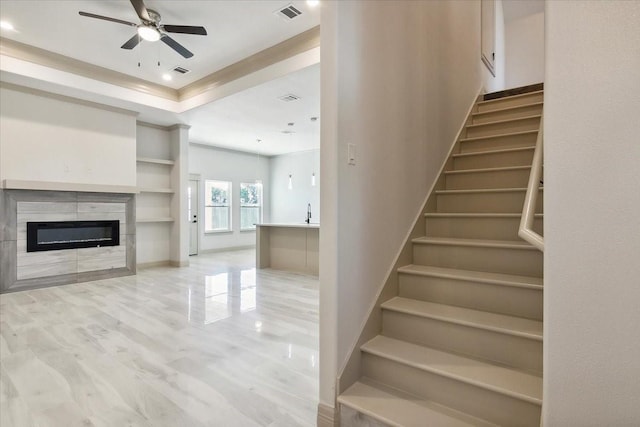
[
  {"x": 289, "y": 48},
  {"x": 284, "y": 50},
  {"x": 327, "y": 416},
  {"x": 45, "y": 58}
]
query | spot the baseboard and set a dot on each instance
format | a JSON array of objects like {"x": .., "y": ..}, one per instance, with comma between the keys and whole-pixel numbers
[
  {"x": 230, "y": 249},
  {"x": 327, "y": 416},
  {"x": 372, "y": 325},
  {"x": 184, "y": 263}
]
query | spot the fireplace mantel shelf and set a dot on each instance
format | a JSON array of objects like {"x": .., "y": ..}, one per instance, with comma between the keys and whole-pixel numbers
[{"x": 14, "y": 184}]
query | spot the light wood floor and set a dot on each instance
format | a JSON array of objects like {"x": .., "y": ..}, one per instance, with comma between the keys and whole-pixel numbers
[{"x": 214, "y": 344}]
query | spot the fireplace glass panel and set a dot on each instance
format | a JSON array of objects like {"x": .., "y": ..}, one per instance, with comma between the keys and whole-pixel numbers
[{"x": 44, "y": 236}]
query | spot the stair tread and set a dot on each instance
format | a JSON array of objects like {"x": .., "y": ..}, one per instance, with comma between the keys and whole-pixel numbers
[
  {"x": 496, "y": 169},
  {"x": 499, "y": 379},
  {"x": 489, "y": 152},
  {"x": 456, "y": 241},
  {"x": 502, "y": 110},
  {"x": 515, "y": 119},
  {"x": 475, "y": 215},
  {"x": 501, "y": 135},
  {"x": 485, "y": 190},
  {"x": 519, "y": 326},
  {"x": 397, "y": 408},
  {"x": 476, "y": 276},
  {"x": 520, "y": 95}
]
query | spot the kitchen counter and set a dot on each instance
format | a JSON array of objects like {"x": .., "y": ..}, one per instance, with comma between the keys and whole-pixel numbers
[{"x": 289, "y": 247}]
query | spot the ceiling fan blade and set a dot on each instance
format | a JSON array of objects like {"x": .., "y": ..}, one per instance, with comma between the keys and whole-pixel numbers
[
  {"x": 132, "y": 42},
  {"x": 141, "y": 10},
  {"x": 176, "y": 46},
  {"x": 185, "y": 29},
  {"x": 106, "y": 18}
]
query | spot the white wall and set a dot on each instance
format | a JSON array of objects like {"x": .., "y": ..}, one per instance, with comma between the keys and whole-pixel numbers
[
  {"x": 235, "y": 166},
  {"x": 496, "y": 83},
  {"x": 524, "y": 44},
  {"x": 592, "y": 221},
  {"x": 290, "y": 206},
  {"x": 54, "y": 139},
  {"x": 397, "y": 80}
]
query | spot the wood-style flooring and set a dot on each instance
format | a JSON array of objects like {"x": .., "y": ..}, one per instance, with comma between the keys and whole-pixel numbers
[{"x": 218, "y": 343}]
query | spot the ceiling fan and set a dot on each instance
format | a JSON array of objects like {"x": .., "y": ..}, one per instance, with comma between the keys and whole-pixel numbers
[{"x": 151, "y": 29}]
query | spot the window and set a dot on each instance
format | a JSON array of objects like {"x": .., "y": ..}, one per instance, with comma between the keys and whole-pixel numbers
[
  {"x": 250, "y": 205},
  {"x": 217, "y": 206}
]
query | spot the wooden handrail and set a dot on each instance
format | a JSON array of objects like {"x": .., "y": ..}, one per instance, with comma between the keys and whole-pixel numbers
[{"x": 526, "y": 231}]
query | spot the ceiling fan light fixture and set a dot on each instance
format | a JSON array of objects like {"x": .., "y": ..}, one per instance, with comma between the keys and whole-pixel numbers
[{"x": 149, "y": 33}]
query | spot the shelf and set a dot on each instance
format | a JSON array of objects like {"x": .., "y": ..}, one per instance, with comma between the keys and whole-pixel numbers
[
  {"x": 156, "y": 190},
  {"x": 155, "y": 161},
  {"x": 159, "y": 219}
]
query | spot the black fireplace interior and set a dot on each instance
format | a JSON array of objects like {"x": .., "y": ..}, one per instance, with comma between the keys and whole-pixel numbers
[{"x": 55, "y": 235}]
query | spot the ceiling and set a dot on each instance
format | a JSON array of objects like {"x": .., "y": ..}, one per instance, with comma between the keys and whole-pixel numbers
[
  {"x": 236, "y": 30},
  {"x": 239, "y": 120}
]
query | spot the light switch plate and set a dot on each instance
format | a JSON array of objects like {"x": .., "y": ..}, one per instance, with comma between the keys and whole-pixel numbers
[{"x": 351, "y": 154}]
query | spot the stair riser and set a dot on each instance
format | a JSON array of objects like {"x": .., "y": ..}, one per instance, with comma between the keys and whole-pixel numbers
[
  {"x": 508, "y": 300},
  {"x": 523, "y": 111},
  {"x": 503, "y": 202},
  {"x": 510, "y": 102},
  {"x": 520, "y": 125},
  {"x": 496, "y": 160},
  {"x": 498, "y": 143},
  {"x": 485, "y": 404},
  {"x": 517, "y": 178},
  {"x": 516, "y": 352},
  {"x": 494, "y": 260},
  {"x": 350, "y": 417},
  {"x": 478, "y": 228}
]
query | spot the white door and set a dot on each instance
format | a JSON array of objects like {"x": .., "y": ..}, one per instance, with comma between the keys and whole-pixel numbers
[
  {"x": 488, "y": 36},
  {"x": 192, "y": 215}
]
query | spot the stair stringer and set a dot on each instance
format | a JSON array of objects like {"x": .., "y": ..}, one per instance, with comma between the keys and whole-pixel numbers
[{"x": 372, "y": 326}]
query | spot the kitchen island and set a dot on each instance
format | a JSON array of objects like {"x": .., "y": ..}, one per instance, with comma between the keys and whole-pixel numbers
[{"x": 289, "y": 247}]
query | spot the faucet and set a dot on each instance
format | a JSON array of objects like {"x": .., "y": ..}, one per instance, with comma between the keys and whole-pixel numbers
[{"x": 308, "y": 220}]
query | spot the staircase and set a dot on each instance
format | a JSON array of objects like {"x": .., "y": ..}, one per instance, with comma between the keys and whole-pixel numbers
[{"x": 461, "y": 344}]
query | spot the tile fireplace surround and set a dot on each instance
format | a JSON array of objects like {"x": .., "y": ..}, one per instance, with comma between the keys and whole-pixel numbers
[{"x": 20, "y": 270}]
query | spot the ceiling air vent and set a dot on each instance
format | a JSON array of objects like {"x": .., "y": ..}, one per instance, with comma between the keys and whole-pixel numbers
[
  {"x": 181, "y": 70},
  {"x": 289, "y": 97},
  {"x": 288, "y": 12}
]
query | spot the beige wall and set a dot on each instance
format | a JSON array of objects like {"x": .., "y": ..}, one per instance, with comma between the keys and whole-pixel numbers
[
  {"x": 397, "y": 81},
  {"x": 45, "y": 138},
  {"x": 524, "y": 45},
  {"x": 592, "y": 220}
]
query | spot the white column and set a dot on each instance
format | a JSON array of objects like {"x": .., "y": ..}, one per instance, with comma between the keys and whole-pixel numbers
[{"x": 179, "y": 252}]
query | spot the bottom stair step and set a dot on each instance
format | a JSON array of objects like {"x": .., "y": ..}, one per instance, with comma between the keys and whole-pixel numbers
[
  {"x": 484, "y": 390},
  {"x": 396, "y": 408}
]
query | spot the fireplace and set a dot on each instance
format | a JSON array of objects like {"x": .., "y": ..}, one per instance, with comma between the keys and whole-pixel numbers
[{"x": 56, "y": 235}]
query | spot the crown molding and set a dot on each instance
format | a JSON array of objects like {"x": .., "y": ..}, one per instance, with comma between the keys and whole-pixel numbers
[
  {"x": 24, "y": 52},
  {"x": 282, "y": 51},
  {"x": 295, "y": 45}
]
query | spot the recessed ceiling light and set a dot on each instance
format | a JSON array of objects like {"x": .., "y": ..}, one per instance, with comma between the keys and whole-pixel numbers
[
  {"x": 6, "y": 25},
  {"x": 166, "y": 77},
  {"x": 313, "y": 3}
]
